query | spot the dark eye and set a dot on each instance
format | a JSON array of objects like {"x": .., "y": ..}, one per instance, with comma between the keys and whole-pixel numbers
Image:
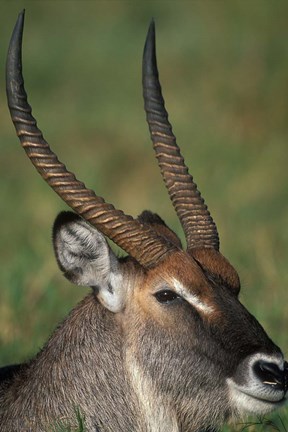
[{"x": 166, "y": 296}]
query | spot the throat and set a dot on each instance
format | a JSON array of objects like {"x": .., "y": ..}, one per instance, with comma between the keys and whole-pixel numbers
[{"x": 156, "y": 411}]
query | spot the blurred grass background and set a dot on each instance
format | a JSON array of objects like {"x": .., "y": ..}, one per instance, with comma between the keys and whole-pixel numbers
[{"x": 223, "y": 67}]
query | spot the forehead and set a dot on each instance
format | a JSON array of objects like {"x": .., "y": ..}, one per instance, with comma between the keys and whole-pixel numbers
[
  {"x": 181, "y": 273},
  {"x": 180, "y": 267},
  {"x": 194, "y": 279}
]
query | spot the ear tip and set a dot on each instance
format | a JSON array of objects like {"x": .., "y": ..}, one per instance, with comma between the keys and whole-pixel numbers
[
  {"x": 64, "y": 217},
  {"x": 149, "y": 217}
]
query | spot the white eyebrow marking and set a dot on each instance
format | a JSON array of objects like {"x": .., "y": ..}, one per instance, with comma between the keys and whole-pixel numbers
[{"x": 191, "y": 298}]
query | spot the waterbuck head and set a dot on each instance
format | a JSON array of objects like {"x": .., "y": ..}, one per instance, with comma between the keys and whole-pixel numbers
[{"x": 194, "y": 355}]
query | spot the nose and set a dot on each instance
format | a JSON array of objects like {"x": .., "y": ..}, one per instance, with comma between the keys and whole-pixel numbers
[{"x": 270, "y": 374}]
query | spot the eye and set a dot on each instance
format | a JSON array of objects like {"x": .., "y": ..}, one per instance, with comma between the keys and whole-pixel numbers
[{"x": 166, "y": 296}]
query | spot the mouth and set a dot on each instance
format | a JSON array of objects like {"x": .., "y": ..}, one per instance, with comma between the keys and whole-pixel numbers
[
  {"x": 260, "y": 384},
  {"x": 256, "y": 398}
]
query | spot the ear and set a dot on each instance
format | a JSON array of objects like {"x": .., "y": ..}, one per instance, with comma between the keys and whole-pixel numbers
[
  {"x": 158, "y": 225},
  {"x": 213, "y": 263},
  {"x": 86, "y": 259}
]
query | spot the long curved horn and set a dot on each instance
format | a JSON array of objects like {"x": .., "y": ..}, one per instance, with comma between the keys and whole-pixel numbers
[
  {"x": 137, "y": 239},
  {"x": 199, "y": 227}
]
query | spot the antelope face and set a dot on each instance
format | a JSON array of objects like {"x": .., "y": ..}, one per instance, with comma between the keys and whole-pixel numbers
[
  {"x": 195, "y": 332},
  {"x": 189, "y": 344}
]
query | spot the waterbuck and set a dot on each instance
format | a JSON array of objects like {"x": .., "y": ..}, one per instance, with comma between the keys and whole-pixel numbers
[{"x": 162, "y": 343}]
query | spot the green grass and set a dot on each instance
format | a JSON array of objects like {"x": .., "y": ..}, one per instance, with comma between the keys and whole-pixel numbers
[
  {"x": 277, "y": 423},
  {"x": 62, "y": 426},
  {"x": 223, "y": 67}
]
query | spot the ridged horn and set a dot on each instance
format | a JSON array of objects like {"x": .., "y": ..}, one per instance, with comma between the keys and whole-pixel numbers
[
  {"x": 198, "y": 225},
  {"x": 137, "y": 239}
]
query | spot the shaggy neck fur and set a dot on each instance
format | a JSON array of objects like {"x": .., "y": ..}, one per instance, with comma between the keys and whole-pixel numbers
[
  {"x": 81, "y": 367},
  {"x": 84, "y": 366}
]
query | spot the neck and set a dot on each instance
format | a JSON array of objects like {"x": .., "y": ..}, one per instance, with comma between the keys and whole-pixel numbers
[
  {"x": 157, "y": 413},
  {"x": 84, "y": 366},
  {"x": 81, "y": 367}
]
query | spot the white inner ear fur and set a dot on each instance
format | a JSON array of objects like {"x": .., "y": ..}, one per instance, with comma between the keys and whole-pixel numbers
[{"x": 86, "y": 259}]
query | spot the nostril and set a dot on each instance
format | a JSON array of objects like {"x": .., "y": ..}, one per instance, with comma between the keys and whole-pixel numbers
[{"x": 271, "y": 374}]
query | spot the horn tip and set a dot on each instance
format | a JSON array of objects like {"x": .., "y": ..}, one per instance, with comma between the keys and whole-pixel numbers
[
  {"x": 14, "y": 51},
  {"x": 18, "y": 29},
  {"x": 20, "y": 20},
  {"x": 149, "y": 54},
  {"x": 152, "y": 25},
  {"x": 150, "y": 38}
]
